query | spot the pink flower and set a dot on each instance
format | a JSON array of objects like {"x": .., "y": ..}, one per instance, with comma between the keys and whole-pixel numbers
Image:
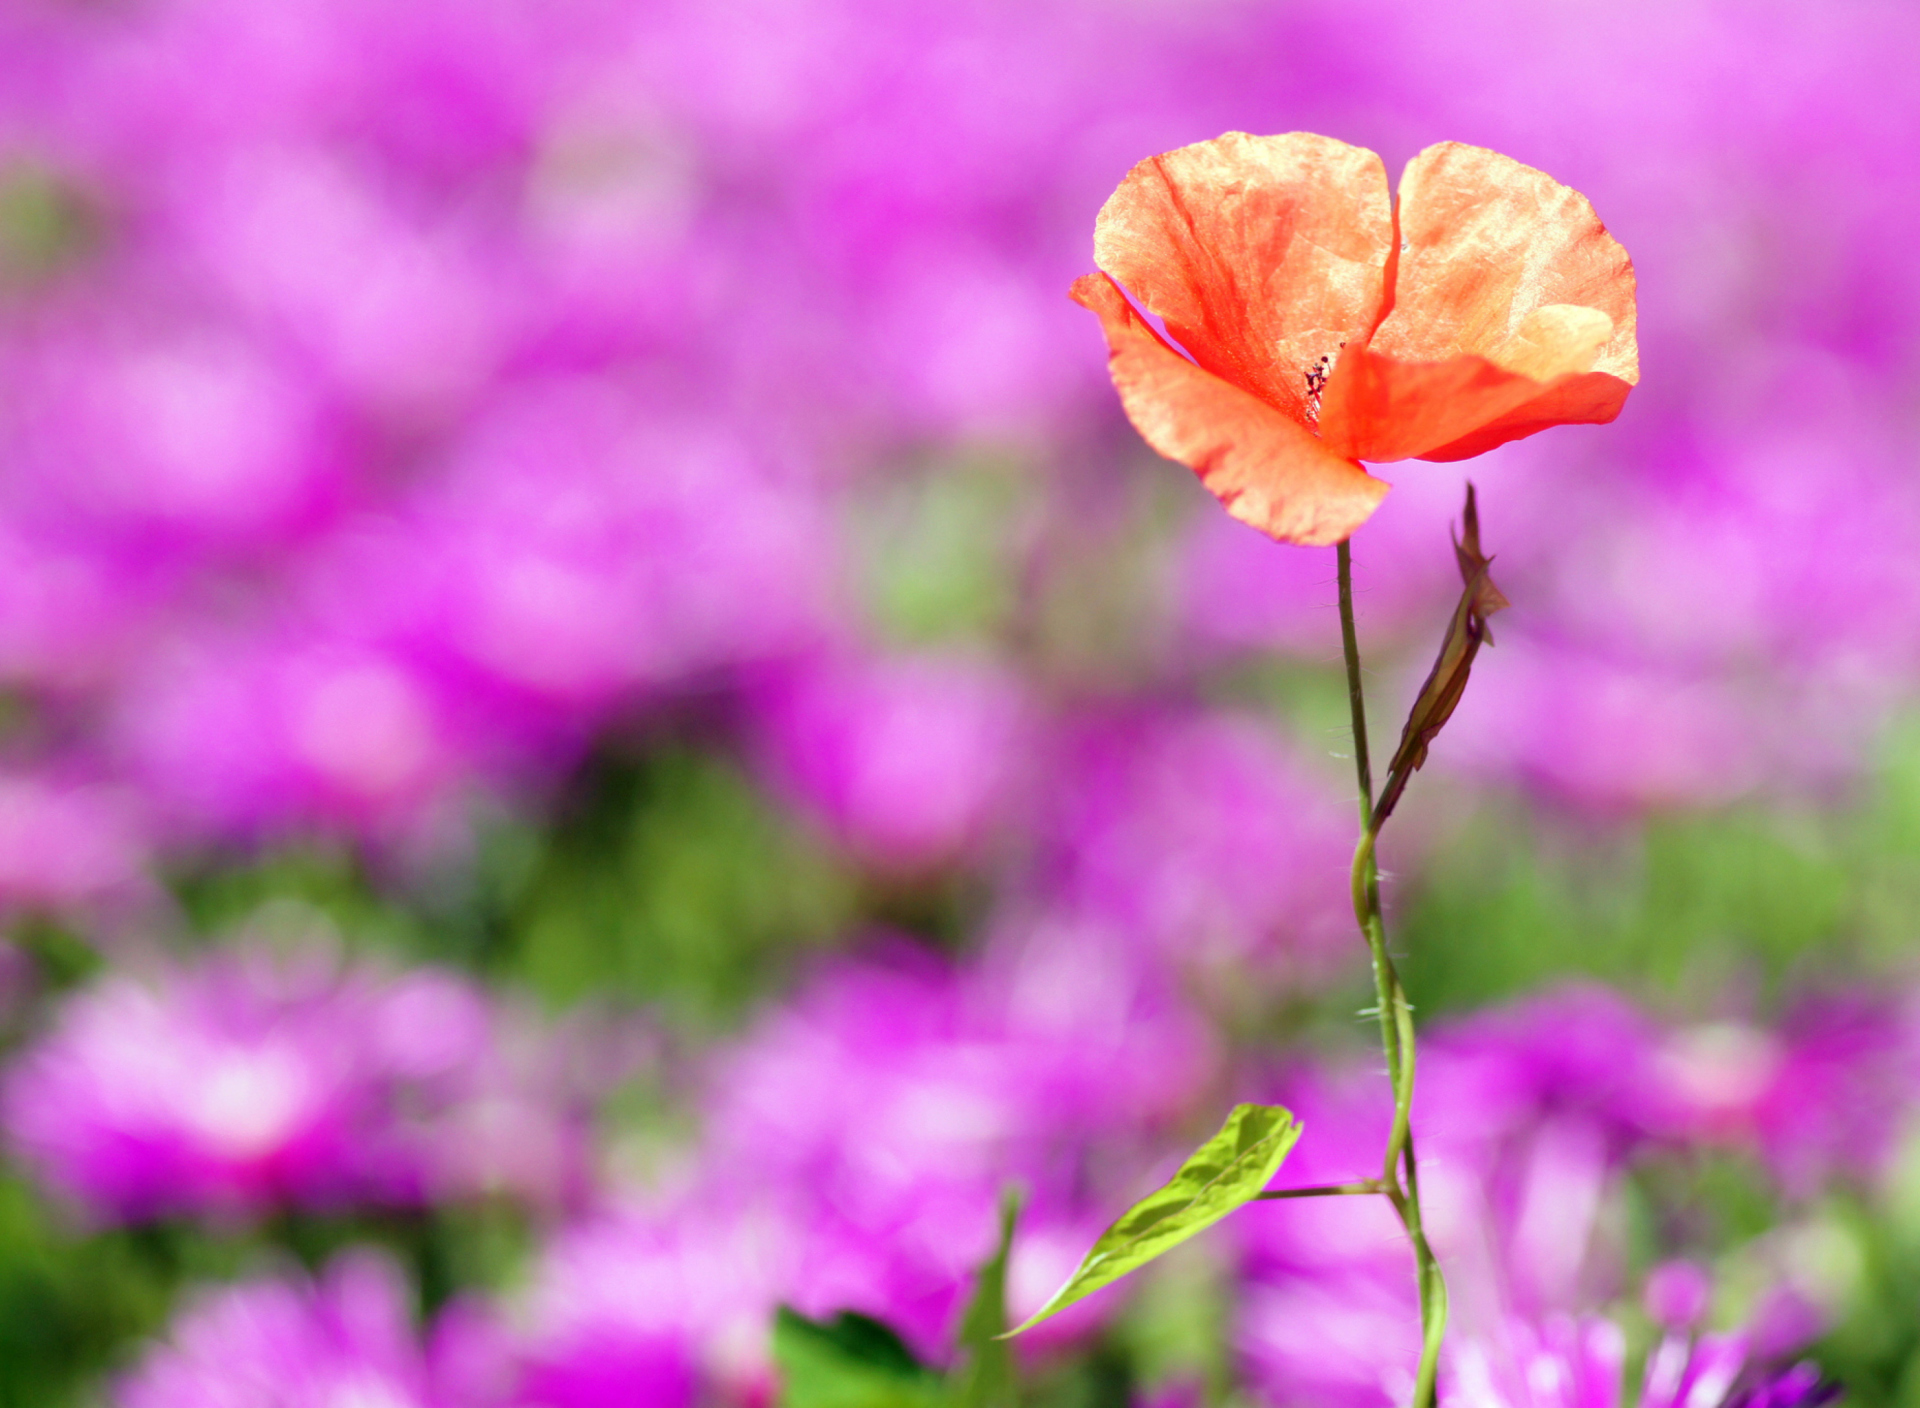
[
  {"x": 1201, "y": 838},
  {"x": 907, "y": 760},
  {"x": 856, "y": 1147},
  {"x": 285, "y": 1342},
  {"x": 250, "y": 1083}
]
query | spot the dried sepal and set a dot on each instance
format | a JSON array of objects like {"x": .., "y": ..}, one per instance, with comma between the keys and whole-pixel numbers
[{"x": 1440, "y": 695}]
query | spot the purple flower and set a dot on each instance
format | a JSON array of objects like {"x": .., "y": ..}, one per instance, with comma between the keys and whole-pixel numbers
[
  {"x": 250, "y": 1083},
  {"x": 856, "y": 1147},
  {"x": 1612, "y": 734},
  {"x": 906, "y": 760},
  {"x": 281, "y": 735},
  {"x": 1683, "y": 1371},
  {"x": 1561, "y": 1364},
  {"x": 1821, "y": 1097},
  {"x": 67, "y": 843},
  {"x": 1528, "y": 1116},
  {"x": 284, "y": 1342},
  {"x": 1566, "y": 1363},
  {"x": 1677, "y": 1294},
  {"x": 579, "y": 545},
  {"x": 1201, "y": 839},
  {"x": 1798, "y": 1386},
  {"x": 192, "y": 445}
]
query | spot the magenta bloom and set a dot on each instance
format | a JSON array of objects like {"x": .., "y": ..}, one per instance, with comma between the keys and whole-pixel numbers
[
  {"x": 68, "y": 843},
  {"x": 856, "y": 1147},
  {"x": 1529, "y": 1116},
  {"x": 578, "y": 546},
  {"x": 1822, "y": 1097},
  {"x": 285, "y": 1342},
  {"x": 905, "y": 760},
  {"x": 276, "y": 735},
  {"x": 1201, "y": 839},
  {"x": 1566, "y": 1363},
  {"x": 250, "y": 1083}
]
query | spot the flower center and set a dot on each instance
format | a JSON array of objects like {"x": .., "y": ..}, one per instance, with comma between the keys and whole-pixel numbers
[{"x": 1318, "y": 375}]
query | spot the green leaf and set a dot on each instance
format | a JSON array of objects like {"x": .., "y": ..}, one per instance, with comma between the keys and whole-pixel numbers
[
  {"x": 851, "y": 1361},
  {"x": 1228, "y": 1170},
  {"x": 985, "y": 1379}
]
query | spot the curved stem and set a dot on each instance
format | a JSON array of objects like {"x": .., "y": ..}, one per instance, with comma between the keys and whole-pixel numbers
[{"x": 1396, "y": 1023}]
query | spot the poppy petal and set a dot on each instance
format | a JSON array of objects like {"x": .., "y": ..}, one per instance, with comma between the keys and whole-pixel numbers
[
  {"x": 1262, "y": 254},
  {"x": 1511, "y": 303},
  {"x": 1592, "y": 399},
  {"x": 1269, "y": 471}
]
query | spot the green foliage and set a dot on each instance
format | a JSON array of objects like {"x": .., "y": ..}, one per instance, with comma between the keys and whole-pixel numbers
[
  {"x": 851, "y": 1361},
  {"x": 985, "y": 1376},
  {"x": 1687, "y": 903},
  {"x": 298, "y": 885},
  {"x": 1228, "y": 1170},
  {"x": 855, "y": 1361},
  {"x": 1707, "y": 1202},
  {"x": 42, "y": 224},
  {"x": 73, "y": 1306},
  {"x": 447, "y": 1249},
  {"x": 1874, "y": 1346},
  {"x": 1762, "y": 895},
  {"x": 1180, "y": 1323},
  {"x": 61, "y": 958},
  {"x": 670, "y": 878},
  {"x": 935, "y": 549},
  {"x": 673, "y": 879}
]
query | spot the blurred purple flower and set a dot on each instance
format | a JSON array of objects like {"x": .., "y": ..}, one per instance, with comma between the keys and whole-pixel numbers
[
  {"x": 68, "y": 844},
  {"x": 1844, "y": 1091},
  {"x": 1561, "y": 1364},
  {"x": 568, "y": 559},
  {"x": 856, "y": 1147},
  {"x": 1823, "y": 1097},
  {"x": 1198, "y": 838},
  {"x": 251, "y": 1083},
  {"x": 1565, "y": 1363},
  {"x": 293, "y": 310},
  {"x": 1613, "y": 735},
  {"x": 193, "y": 443},
  {"x": 1798, "y": 1386},
  {"x": 283, "y": 1342},
  {"x": 1526, "y": 1117},
  {"x": 278, "y": 736},
  {"x": 1677, "y": 1294},
  {"x": 906, "y": 760}
]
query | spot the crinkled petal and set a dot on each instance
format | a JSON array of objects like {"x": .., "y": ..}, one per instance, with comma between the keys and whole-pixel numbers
[
  {"x": 1262, "y": 254},
  {"x": 1267, "y": 470},
  {"x": 1513, "y": 310}
]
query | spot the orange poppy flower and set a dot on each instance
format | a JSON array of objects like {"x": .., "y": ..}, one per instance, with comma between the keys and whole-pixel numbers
[{"x": 1327, "y": 324}]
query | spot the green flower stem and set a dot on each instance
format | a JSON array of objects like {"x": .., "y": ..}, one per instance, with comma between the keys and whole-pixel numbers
[
  {"x": 1396, "y": 1025},
  {"x": 1325, "y": 1190},
  {"x": 1356, "y": 695}
]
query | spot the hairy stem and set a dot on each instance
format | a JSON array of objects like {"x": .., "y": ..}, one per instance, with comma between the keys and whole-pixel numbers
[{"x": 1396, "y": 1023}]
